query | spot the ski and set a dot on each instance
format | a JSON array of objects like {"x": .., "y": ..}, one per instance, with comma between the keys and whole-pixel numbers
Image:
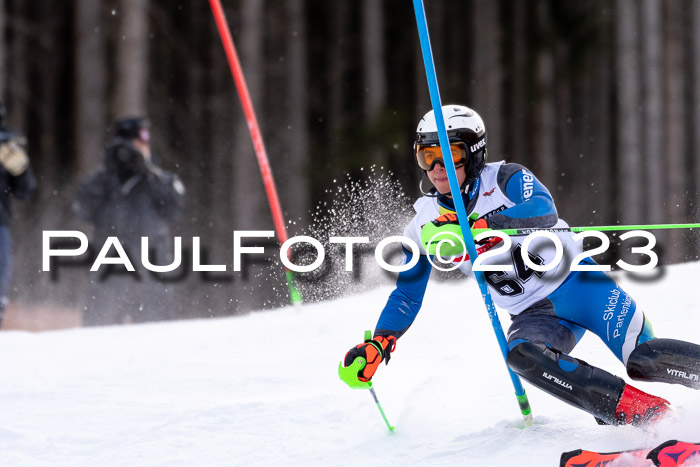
[
  {"x": 581, "y": 458},
  {"x": 668, "y": 454},
  {"x": 675, "y": 453}
]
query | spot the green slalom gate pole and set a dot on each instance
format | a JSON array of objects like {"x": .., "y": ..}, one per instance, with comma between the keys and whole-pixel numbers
[
  {"x": 349, "y": 376},
  {"x": 599, "y": 228},
  {"x": 459, "y": 204}
]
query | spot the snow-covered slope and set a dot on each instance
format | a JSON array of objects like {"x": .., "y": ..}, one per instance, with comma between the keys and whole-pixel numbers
[{"x": 263, "y": 389}]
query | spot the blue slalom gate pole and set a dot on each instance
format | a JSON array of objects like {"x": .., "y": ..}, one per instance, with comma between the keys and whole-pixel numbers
[{"x": 459, "y": 202}]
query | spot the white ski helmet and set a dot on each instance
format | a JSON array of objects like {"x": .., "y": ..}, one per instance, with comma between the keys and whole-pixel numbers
[{"x": 465, "y": 128}]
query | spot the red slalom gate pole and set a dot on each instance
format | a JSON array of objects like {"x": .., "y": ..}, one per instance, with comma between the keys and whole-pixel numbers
[{"x": 256, "y": 136}]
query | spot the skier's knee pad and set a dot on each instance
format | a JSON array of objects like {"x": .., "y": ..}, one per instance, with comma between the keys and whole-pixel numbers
[
  {"x": 527, "y": 357},
  {"x": 666, "y": 360},
  {"x": 571, "y": 380},
  {"x": 524, "y": 356},
  {"x": 547, "y": 368}
]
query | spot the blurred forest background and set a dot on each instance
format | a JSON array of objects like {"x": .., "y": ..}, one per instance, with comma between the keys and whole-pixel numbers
[{"x": 600, "y": 98}]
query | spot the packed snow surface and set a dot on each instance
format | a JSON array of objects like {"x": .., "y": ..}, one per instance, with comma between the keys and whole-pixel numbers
[{"x": 263, "y": 389}]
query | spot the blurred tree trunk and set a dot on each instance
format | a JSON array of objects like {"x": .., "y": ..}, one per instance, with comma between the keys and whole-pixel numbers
[
  {"x": 250, "y": 209},
  {"x": 17, "y": 75},
  {"x": 207, "y": 138},
  {"x": 422, "y": 96},
  {"x": 3, "y": 50},
  {"x": 90, "y": 86},
  {"x": 16, "y": 96},
  {"x": 374, "y": 75},
  {"x": 487, "y": 74},
  {"x": 630, "y": 164},
  {"x": 46, "y": 64},
  {"x": 222, "y": 106},
  {"x": 695, "y": 60},
  {"x": 652, "y": 107},
  {"x": 675, "y": 119},
  {"x": 584, "y": 184},
  {"x": 295, "y": 179},
  {"x": 438, "y": 15},
  {"x": 544, "y": 112},
  {"x": 248, "y": 189},
  {"x": 568, "y": 115},
  {"x": 598, "y": 149},
  {"x": 434, "y": 17},
  {"x": 336, "y": 73},
  {"x": 45, "y": 116},
  {"x": 131, "y": 58},
  {"x": 455, "y": 77},
  {"x": 516, "y": 142}
]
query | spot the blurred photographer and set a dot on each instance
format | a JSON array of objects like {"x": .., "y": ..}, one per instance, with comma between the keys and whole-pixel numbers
[
  {"x": 16, "y": 179},
  {"x": 130, "y": 197}
]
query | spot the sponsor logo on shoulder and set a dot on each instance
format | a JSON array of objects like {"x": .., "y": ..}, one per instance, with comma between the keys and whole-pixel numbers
[
  {"x": 528, "y": 184},
  {"x": 560, "y": 382},
  {"x": 489, "y": 193}
]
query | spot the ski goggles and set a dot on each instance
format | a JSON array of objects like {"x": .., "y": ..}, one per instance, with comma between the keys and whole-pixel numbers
[{"x": 429, "y": 155}]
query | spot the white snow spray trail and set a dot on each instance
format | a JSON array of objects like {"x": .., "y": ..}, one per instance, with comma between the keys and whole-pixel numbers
[{"x": 375, "y": 206}]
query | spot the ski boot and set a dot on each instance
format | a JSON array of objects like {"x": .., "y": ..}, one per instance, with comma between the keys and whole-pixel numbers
[{"x": 639, "y": 408}]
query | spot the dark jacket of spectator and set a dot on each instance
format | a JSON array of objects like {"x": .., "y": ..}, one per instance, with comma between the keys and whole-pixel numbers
[{"x": 130, "y": 197}]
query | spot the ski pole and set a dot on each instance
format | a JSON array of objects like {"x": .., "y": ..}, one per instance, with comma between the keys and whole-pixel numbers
[
  {"x": 379, "y": 406},
  {"x": 256, "y": 137},
  {"x": 349, "y": 375},
  {"x": 599, "y": 228},
  {"x": 459, "y": 203}
]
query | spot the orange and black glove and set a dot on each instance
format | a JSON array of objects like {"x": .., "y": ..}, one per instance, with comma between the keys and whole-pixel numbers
[
  {"x": 373, "y": 351},
  {"x": 479, "y": 224},
  {"x": 451, "y": 218}
]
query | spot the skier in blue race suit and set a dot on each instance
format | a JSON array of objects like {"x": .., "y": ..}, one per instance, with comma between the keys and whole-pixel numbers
[{"x": 550, "y": 310}]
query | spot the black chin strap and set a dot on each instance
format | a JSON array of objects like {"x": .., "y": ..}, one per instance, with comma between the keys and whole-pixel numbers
[{"x": 432, "y": 193}]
